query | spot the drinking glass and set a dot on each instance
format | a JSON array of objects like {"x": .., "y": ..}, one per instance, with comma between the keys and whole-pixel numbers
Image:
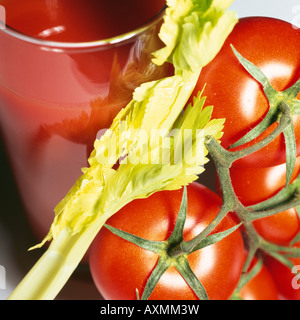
[{"x": 56, "y": 96}]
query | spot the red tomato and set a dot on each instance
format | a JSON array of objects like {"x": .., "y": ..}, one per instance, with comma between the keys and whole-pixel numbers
[
  {"x": 286, "y": 279},
  {"x": 261, "y": 287},
  {"x": 119, "y": 267},
  {"x": 253, "y": 185},
  {"x": 274, "y": 47}
]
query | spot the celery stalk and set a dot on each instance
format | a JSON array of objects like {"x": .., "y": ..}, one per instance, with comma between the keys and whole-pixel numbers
[{"x": 48, "y": 276}]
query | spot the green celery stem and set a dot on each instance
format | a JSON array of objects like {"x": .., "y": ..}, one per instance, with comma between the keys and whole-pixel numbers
[{"x": 48, "y": 276}]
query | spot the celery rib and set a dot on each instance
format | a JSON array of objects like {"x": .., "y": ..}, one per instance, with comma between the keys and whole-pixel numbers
[{"x": 48, "y": 276}]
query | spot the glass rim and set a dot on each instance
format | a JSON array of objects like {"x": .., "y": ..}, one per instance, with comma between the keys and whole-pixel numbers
[{"x": 89, "y": 44}]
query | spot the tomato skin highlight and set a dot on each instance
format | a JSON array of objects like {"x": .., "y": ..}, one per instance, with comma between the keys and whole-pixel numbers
[
  {"x": 254, "y": 185},
  {"x": 273, "y": 46},
  {"x": 119, "y": 267}
]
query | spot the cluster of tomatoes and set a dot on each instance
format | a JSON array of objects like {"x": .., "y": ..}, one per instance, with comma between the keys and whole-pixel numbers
[{"x": 119, "y": 267}]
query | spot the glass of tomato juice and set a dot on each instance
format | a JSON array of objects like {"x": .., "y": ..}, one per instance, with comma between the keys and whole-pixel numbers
[{"x": 66, "y": 69}]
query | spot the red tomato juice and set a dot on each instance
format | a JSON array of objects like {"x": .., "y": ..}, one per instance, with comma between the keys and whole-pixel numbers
[{"x": 55, "y": 97}]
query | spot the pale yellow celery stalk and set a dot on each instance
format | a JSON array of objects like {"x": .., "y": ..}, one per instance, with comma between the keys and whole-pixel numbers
[
  {"x": 103, "y": 189},
  {"x": 193, "y": 32}
]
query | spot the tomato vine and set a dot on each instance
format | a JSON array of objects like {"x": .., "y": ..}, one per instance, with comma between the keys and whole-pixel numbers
[{"x": 289, "y": 197}]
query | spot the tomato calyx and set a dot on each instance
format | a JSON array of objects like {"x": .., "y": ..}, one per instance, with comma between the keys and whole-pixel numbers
[
  {"x": 279, "y": 102},
  {"x": 175, "y": 250}
]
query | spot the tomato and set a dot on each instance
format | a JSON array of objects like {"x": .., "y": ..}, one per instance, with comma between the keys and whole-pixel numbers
[
  {"x": 261, "y": 287},
  {"x": 273, "y": 46},
  {"x": 253, "y": 185},
  {"x": 119, "y": 267},
  {"x": 286, "y": 279}
]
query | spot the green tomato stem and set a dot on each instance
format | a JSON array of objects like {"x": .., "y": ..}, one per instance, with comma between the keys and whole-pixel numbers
[
  {"x": 162, "y": 266},
  {"x": 188, "y": 246},
  {"x": 286, "y": 195},
  {"x": 250, "y": 275},
  {"x": 267, "y": 213},
  {"x": 183, "y": 267},
  {"x": 284, "y": 121}
]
